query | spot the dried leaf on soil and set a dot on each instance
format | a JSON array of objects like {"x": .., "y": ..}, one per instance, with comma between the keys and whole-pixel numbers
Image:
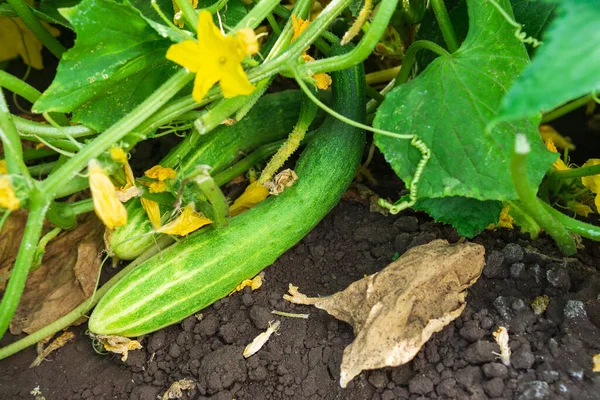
[
  {"x": 118, "y": 344},
  {"x": 395, "y": 311},
  {"x": 66, "y": 277},
  {"x": 56, "y": 344},
  {"x": 177, "y": 388}
]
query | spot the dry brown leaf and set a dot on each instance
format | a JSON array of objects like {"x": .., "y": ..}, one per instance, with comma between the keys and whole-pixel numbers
[
  {"x": 118, "y": 344},
  {"x": 177, "y": 388},
  {"x": 56, "y": 344},
  {"x": 66, "y": 277},
  {"x": 395, "y": 311}
]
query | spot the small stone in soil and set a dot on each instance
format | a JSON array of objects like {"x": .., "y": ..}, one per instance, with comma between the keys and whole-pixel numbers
[
  {"x": 535, "y": 390},
  {"x": 420, "y": 384},
  {"x": 512, "y": 253},
  {"x": 494, "y": 387}
]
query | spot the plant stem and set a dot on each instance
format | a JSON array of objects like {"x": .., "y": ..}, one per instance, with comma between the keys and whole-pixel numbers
[
  {"x": 531, "y": 203},
  {"x": 381, "y": 76},
  {"x": 11, "y": 142},
  {"x": 19, "y": 87},
  {"x": 36, "y": 27},
  {"x": 565, "y": 109},
  {"x": 189, "y": 14},
  {"x": 27, "y": 127},
  {"x": 443, "y": 19},
  {"x": 362, "y": 50},
  {"x": 41, "y": 169},
  {"x": 575, "y": 173},
  {"x": 218, "y": 202},
  {"x": 247, "y": 162},
  {"x": 255, "y": 17},
  {"x": 411, "y": 56},
  {"x": 82, "y": 206},
  {"x": 38, "y": 205},
  {"x": 580, "y": 228},
  {"x": 117, "y": 131},
  {"x": 84, "y": 307}
]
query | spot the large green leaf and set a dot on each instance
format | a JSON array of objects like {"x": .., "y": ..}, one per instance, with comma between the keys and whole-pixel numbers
[
  {"x": 118, "y": 60},
  {"x": 449, "y": 106},
  {"x": 565, "y": 67},
  {"x": 468, "y": 216},
  {"x": 534, "y": 15}
]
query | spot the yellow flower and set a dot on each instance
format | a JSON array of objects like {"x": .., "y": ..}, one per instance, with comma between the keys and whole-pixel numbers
[
  {"x": 254, "y": 284},
  {"x": 153, "y": 210},
  {"x": 17, "y": 40},
  {"x": 177, "y": 12},
  {"x": 160, "y": 173},
  {"x": 254, "y": 194},
  {"x": 118, "y": 154},
  {"x": 559, "y": 140},
  {"x": 596, "y": 362},
  {"x": 106, "y": 204},
  {"x": 592, "y": 182},
  {"x": 8, "y": 198},
  {"x": 505, "y": 220},
  {"x": 322, "y": 80},
  {"x": 559, "y": 164},
  {"x": 3, "y": 169},
  {"x": 580, "y": 208},
  {"x": 129, "y": 190},
  {"x": 215, "y": 58},
  {"x": 157, "y": 187},
  {"x": 186, "y": 222}
]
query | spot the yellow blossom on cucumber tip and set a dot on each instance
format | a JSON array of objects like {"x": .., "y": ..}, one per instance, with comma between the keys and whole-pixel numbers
[
  {"x": 216, "y": 58},
  {"x": 187, "y": 222},
  {"x": 161, "y": 173},
  {"x": 106, "y": 203},
  {"x": 152, "y": 208}
]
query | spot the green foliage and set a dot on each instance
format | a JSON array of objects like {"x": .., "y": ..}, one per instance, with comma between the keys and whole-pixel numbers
[
  {"x": 565, "y": 67},
  {"x": 449, "y": 106},
  {"x": 468, "y": 216},
  {"x": 118, "y": 60},
  {"x": 525, "y": 222}
]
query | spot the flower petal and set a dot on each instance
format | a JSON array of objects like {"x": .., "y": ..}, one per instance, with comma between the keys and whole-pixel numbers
[
  {"x": 186, "y": 222},
  {"x": 152, "y": 208},
  {"x": 187, "y": 54},
  {"x": 106, "y": 204},
  {"x": 591, "y": 182},
  {"x": 203, "y": 83},
  {"x": 235, "y": 82},
  {"x": 209, "y": 34},
  {"x": 254, "y": 194},
  {"x": 8, "y": 198}
]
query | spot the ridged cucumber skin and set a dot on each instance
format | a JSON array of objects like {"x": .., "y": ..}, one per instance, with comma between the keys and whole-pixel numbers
[
  {"x": 218, "y": 149},
  {"x": 192, "y": 274}
]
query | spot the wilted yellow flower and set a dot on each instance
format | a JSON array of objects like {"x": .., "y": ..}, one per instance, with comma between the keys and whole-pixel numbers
[
  {"x": 559, "y": 164},
  {"x": 157, "y": 187},
  {"x": 186, "y": 222},
  {"x": 501, "y": 337},
  {"x": 253, "y": 283},
  {"x": 161, "y": 173},
  {"x": 215, "y": 58},
  {"x": 177, "y": 12},
  {"x": 3, "y": 169},
  {"x": 596, "y": 363},
  {"x": 152, "y": 208},
  {"x": 106, "y": 204},
  {"x": 580, "y": 208},
  {"x": 118, "y": 154},
  {"x": 548, "y": 132},
  {"x": 254, "y": 194},
  {"x": 8, "y": 198},
  {"x": 322, "y": 80},
  {"x": 504, "y": 221},
  {"x": 129, "y": 190}
]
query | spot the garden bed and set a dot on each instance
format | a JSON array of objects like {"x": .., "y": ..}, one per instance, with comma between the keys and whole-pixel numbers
[{"x": 552, "y": 353}]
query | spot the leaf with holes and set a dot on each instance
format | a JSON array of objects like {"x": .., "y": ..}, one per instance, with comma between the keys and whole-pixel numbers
[
  {"x": 449, "y": 106},
  {"x": 111, "y": 69}
]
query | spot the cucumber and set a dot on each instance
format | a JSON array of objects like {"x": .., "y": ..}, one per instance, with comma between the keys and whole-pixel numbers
[
  {"x": 219, "y": 149},
  {"x": 192, "y": 274}
]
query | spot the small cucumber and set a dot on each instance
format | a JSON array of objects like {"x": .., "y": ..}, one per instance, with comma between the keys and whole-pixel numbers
[
  {"x": 218, "y": 149},
  {"x": 194, "y": 273}
]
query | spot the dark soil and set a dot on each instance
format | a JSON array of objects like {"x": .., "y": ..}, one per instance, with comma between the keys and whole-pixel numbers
[{"x": 552, "y": 353}]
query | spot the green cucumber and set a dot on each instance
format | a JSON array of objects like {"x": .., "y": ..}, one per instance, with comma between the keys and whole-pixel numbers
[
  {"x": 219, "y": 149},
  {"x": 194, "y": 273}
]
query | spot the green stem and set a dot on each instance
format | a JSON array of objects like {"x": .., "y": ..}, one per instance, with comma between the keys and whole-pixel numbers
[
  {"x": 565, "y": 109},
  {"x": 247, "y": 162},
  {"x": 84, "y": 307},
  {"x": 27, "y": 127},
  {"x": 255, "y": 17},
  {"x": 117, "y": 131},
  {"x": 575, "y": 173},
  {"x": 360, "y": 52},
  {"x": 374, "y": 94},
  {"x": 72, "y": 186},
  {"x": 19, "y": 87},
  {"x": 531, "y": 203},
  {"x": 189, "y": 14},
  {"x": 38, "y": 205},
  {"x": 218, "y": 202},
  {"x": 443, "y": 19},
  {"x": 273, "y": 23},
  {"x": 411, "y": 56},
  {"x": 12, "y": 142},
  {"x": 41, "y": 169},
  {"x": 36, "y": 154},
  {"x": 215, "y": 7},
  {"x": 36, "y": 27},
  {"x": 580, "y": 228},
  {"x": 82, "y": 206}
]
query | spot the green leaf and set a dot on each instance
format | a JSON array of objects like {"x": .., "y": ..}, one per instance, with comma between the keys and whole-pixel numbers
[
  {"x": 565, "y": 67},
  {"x": 233, "y": 13},
  {"x": 449, "y": 106},
  {"x": 468, "y": 216},
  {"x": 118, "y": 60},
  {"x": 534, "y": 15}
]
